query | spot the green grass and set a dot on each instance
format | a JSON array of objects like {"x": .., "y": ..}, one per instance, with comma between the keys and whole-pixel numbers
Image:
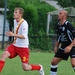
[{"x": 13, "y": 66}]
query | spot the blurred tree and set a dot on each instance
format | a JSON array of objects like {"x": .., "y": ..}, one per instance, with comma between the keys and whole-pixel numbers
[
  {"x": 66, "y": 3},
  {"x": 1, "y": 3}
]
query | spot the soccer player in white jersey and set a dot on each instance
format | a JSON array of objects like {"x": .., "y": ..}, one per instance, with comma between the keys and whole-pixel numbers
[
  {"x": 65, "y": 37},
  {"x": 20, "y": 45}
]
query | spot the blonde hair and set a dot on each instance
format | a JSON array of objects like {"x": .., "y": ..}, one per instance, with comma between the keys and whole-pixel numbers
[{"x": 21, "y": 11}]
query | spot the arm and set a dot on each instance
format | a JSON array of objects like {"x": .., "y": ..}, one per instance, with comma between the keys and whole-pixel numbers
[
  {"x": 73, "y": 43},
  {"x": 56, "y": 47},
  {"x": 68, "y": 48},
  {"x": 9, "y": 33},
  {"x": 57, "y": 43},
  {"x": 72, "y": 30}
]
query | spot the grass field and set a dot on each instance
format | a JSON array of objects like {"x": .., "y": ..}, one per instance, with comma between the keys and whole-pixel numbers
[{"x": 13, "y": 66}]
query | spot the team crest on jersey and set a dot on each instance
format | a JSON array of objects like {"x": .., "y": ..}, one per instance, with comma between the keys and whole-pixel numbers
[{"x": 63, "y": 28}]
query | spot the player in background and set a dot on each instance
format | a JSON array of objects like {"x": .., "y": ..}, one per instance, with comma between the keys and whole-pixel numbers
[
  {"x": 65, "y": 37},
  {"x": 20, "y": 45}
]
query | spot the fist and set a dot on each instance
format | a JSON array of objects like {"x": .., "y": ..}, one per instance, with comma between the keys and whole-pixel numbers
[{"x": 9, "y": 33}]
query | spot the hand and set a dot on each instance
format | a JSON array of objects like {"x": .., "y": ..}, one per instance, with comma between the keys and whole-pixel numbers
[
  {"x": 67, "y": 49},
  {"x": 55, "y": 49},
  {"x": 9, "y": 33}
]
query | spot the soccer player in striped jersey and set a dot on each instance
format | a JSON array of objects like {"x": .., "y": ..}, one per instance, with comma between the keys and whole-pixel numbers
[{"x": 64, "y": 46}]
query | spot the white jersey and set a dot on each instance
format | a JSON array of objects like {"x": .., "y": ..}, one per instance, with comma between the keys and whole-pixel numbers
[{"x": 23, "y": 30}]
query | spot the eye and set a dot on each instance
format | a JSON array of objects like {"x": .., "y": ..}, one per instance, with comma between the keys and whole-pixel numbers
[
  {"x": 15, "y": 12},
  {"x": 60, "y": 13}
]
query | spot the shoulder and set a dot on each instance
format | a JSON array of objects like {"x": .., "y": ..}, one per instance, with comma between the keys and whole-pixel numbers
[
  {"x": 69, "y": 26},
  {"x": 24, "y": 24},
  {"x": 67, "y": 23}
]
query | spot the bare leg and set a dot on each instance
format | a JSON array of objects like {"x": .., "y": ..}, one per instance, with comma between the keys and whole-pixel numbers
[
  {"x": 54, "y": 65},
  {"x": 3, "y": 57},
  {"x": 28, "y": 67}
]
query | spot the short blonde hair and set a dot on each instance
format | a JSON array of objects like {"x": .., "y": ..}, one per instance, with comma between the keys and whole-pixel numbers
[{"x": 21, "y": 11}]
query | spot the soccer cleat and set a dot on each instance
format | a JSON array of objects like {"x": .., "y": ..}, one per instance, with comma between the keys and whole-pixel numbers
[{"x": 41, "y": 71}]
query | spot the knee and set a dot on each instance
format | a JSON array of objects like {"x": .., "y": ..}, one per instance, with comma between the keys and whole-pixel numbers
[
  {"x": 53, "y": 62},
  {"x": 4, "y": 55},
  {"x": 73, "y": 64}
]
